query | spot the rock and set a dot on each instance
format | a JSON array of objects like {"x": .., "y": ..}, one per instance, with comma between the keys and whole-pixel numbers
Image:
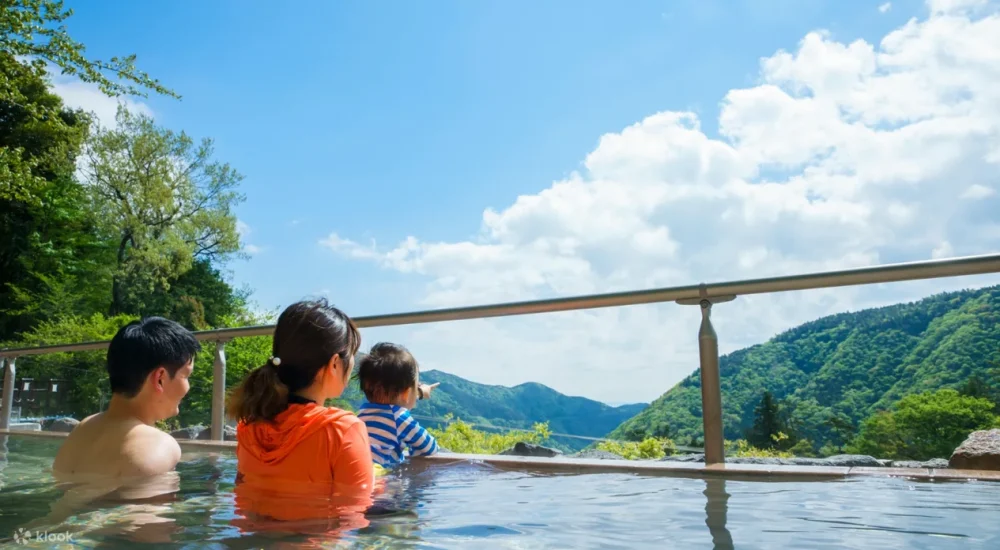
[
  {"x": 527, "y": 449},
  {"x": 885, "y": 463},
  {"x": 937, "y": 463},
  {"x": 980, "y": 451},
  {"x": 684, "y": 458},
  {"x": 190, "y": 432},
  {"x": 852, "y": 461},
  {"x": 63, "y": 425},
  {"x": 596, "y": 454},
  {"x": 841, "y": 461},
  {"x": 807, "y": 461},
  {"x": 228, "y": 433},
  {"x": 25, "y": 427},
  {"x": 760, "y": 460}
]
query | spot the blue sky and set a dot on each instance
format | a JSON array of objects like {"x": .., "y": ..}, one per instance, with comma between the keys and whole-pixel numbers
[{"x": 377, "y": 122}]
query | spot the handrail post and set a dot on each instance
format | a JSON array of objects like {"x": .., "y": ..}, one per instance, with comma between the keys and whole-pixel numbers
[
  {"x": 711, "y": 387},
  {"x": 7, "y": 403},
  {"x": 219, "y": 391},
  {"x": 711, "y": 390}
]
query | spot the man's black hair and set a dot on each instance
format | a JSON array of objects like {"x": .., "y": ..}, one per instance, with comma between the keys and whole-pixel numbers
[
  {"x": 386, "y": 372},
  {"x": 141, "y": 347}
]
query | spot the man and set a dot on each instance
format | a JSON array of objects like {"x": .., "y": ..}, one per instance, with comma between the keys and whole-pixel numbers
[{"x": 149, "y": 363}]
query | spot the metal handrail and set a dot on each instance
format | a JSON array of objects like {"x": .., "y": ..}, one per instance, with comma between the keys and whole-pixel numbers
[
  {"x": 929, "y": 269},
  {"x": 704, "y": 295}
]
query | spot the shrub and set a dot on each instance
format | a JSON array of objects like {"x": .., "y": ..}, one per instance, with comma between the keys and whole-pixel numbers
[
  {"x": 649, "y": 448},
  {"x": 460, "y": 437},
  {"x": 923, "y": 426},
  {"x": 743, "y": 449},
  {"x": 803, "y": 448}
]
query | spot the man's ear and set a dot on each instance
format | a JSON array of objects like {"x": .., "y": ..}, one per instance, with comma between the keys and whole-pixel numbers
[{"x": 159, "y": 378}]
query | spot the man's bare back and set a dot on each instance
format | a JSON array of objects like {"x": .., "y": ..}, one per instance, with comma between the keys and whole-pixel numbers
[
  {"x": 149, "y": 366},
  {"x": 104, "y": 445}
]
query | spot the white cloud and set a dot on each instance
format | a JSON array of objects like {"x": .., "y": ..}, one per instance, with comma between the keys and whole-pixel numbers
[
  {"x": 976, "y": 191},
  {"x": 954, "y": 6},
  {"x": 845, "y": 154},
  {"x": 943, "y": 250},
  {"x": 885, "y": 7},
  {"x": 82, "y": 95},
  {"x": 244, "y": 230}
]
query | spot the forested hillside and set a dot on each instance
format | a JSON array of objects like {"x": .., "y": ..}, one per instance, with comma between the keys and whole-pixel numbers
[
  {"x": 520, "y": 406},
  {"x": 833, "y": 373}
]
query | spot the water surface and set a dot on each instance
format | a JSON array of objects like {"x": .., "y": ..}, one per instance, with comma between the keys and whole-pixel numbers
[{"x": 473, "y": 505}]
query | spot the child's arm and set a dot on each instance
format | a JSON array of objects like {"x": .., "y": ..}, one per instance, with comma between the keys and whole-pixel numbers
[{"x": 415, "y": 436}]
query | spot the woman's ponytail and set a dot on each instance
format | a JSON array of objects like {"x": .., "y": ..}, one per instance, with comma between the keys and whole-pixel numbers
[{"x": 261, "y": 396}]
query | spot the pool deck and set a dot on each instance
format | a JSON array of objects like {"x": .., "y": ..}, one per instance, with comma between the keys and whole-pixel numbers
[{"x": 566, "y": 465}]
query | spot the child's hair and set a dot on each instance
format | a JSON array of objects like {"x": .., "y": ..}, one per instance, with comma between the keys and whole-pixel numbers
[
  {"x": 141, "y": 347},
  {"x": 307, "y": 336},
  {"x": 386, "y": 372}
]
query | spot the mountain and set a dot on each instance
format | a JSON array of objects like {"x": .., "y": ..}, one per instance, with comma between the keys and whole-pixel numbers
[
  {"x": 835, "y": 372},
  {"x": 514, "y": 407}
]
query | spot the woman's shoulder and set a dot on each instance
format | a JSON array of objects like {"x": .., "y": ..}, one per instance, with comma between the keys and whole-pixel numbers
[{"x": 340, "y": 417}]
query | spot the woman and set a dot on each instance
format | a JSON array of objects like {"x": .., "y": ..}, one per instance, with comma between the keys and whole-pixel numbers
[{"x": 296, "y": 458}]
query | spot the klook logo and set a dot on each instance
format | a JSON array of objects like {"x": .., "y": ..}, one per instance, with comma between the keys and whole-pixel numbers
[{"x": 24, "y": 536}]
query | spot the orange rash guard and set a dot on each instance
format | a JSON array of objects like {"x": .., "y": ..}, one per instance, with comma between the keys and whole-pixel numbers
[{"x": 311, "y": 463}]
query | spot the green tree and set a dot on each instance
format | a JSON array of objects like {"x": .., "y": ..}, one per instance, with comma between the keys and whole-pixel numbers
[
  {"x": 51, "y": 259},
  {"x": 32, "y": 29},
  {"x": 978, "y": 386},
  {"x": 841, "y": 428},
  {"x": 803, "y": 448},
  {"x": 767, "y": 424},
  {"x": 164, "y": 201},
  {"x": 86, "y": 371},
  {"x": 199, "y": 299},
  {"x": 924, "y": 426},
  {"x": 881, "y": 437},
  {"x": 32, "y": 36},
  {"x": 242, "y": 356}
]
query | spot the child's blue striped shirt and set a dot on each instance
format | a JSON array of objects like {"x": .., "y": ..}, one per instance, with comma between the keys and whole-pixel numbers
[{"x": 393, "y": 432}]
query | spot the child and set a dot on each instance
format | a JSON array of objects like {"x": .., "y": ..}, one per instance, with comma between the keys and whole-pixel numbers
[{"x": 389, "y": 377}]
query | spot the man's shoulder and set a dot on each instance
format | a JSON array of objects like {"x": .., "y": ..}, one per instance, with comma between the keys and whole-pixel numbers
[
  {"x": 149, "y": 451},
  {"x": 112, "y": 447}
]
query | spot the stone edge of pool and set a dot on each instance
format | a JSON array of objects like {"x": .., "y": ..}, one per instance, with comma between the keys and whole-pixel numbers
[{"x": 685, "y": 469}]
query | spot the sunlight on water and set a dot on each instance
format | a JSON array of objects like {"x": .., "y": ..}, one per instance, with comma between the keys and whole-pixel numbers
[{"x": 475, "y": 505}]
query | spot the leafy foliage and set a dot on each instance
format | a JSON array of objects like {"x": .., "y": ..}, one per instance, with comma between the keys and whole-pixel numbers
[
  {"x": 924, "y": 426},
  {"x": 144, "y": 235},
  {"x": 164, "y": 202},
  {"x": 833, "y": 373},
  {"x": 89, "y": 390},
  {"x": 29, "y": 28},
  {"x": 769, "y": 429},
  {"x": 459, "y": 437},
  {"x": 649, "y": 448},
  {"x": 743, "y": 449},
  {"x": 242, "y": 356},
  {"x": 49, "y": 257}
]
